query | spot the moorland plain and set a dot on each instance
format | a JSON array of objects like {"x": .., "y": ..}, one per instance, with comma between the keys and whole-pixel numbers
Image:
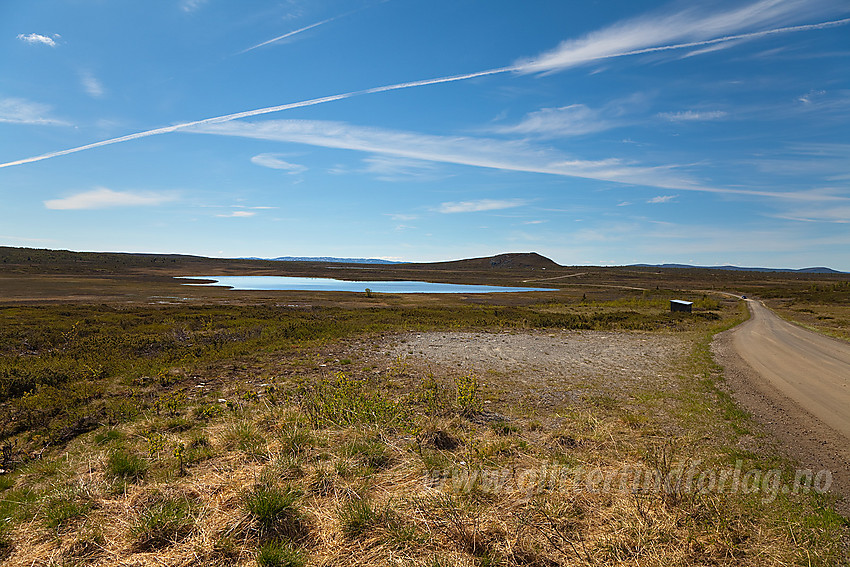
[{"x": 145, "y": 421}]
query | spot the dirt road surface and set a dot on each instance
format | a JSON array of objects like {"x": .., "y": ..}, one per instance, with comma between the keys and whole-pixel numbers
[
  {"x": 797, "y": 383},
  {"x": 810, "y": 368}
]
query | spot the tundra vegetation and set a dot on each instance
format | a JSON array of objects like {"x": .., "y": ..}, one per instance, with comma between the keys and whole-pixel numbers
[{"x": 274, "y": 433}]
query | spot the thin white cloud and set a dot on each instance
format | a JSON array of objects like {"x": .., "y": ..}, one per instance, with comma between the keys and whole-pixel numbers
[
  {"x": 103, "y": 198},
  {"x": 35, "y": 39},
  {"x": 91, "y": 84},
  {"x": 401, "y": 216},
  {"x": 810, "y": 96},
  {"x": 693, "y": 115},
  {"x": 478, "y": 152},
  {"x": 661, "y": 199},
  {"x": 825, "y": 161},
  {"x": 22, "y": 111},
  {"x": 390, "y": 168},
  {"x": 572, "y": 120},
  {"x": 238, "y": 214},
  {"x": 26, "y": 239},
  {"x": 273, "y": 161},
  {"x": 839, "y": 215},
  {"x": 285, "y": 36},
  {"x": 479, "y": 205},
  {"x": 191, "y": 5}
]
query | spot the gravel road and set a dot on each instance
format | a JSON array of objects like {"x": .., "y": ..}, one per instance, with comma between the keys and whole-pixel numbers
[{"x": 794, "y": 381}]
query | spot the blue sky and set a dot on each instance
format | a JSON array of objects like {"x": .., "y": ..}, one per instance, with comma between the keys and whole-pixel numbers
[{"x": 592, "y": 132}]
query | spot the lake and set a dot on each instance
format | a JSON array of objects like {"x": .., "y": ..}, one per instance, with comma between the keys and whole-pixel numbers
[{"x": 289, "y": 283}]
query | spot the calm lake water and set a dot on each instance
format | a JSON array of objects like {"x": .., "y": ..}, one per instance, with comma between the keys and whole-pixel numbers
[{"x": 288, "y": 283}]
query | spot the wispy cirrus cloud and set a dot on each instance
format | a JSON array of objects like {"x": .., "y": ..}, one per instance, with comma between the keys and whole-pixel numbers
[
  {"x": 22, "y": 111},
  {"x": 564, "y": 121},
  {"x": 575, "y": 119},
  {"x": 479, "y": 205},
  {"x": 238, "y": 214},
  {"x": 402, "y": 216},
  {"x": 104, "y": 198},
  {"x": 509, "y": 155},
  {"x": 693, "y": 115},
  {"x": 690, "y": 27},
  {"x": 837, "y": 215},
  {"x": 191, "y": 5},
  {"x": 274, "y": 161},
  {"x": 38, "y": 39},
  {"x": 390, "y": 168},
  {"x": 661, "y": 199},
  {"x": 91, "y": 84},
  {"x": 26, "y": 239},
  {"x": 491, "y": 153}
]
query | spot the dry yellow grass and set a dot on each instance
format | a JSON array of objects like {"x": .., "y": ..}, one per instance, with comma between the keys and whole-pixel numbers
[{"x": 483, "y": 478}]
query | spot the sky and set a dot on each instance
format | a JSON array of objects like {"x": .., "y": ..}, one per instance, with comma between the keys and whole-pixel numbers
[{"x": 595, "y": 132}]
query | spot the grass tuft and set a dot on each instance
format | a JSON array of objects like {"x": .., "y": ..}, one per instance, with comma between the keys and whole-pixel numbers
[
  {"x": 125, "y": 466},
  {"x": 276, "y": 553},
  {"x": 356, "y": 517},
  {"x": 164, "y": 522},
  {"x": 276, "y": 510},
  {"x": 61, "y": 509}
]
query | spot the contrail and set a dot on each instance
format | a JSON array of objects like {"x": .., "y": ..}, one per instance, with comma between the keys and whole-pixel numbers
[
  {"x": 257, "y": 112},
  {"x": 290, "y": 34},
  {"x": 752, "y": 35},
  {"x": 305, "y": 28},
  {"x": 527, "y": 67}
]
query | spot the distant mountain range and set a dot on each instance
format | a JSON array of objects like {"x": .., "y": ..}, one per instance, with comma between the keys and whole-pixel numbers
[
  {"x": 815, "y": 270},
  {"x": 328, "y": 259}
]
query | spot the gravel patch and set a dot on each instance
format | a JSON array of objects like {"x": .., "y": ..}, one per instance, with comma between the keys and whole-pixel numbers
[{"x": 552, "y": 367}]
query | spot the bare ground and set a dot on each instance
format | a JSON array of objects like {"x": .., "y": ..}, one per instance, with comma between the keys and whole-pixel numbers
[{"x": 545, "y": 372}]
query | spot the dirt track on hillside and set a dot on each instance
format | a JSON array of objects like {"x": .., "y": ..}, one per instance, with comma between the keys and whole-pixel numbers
[{"x": 795, "y": 382}]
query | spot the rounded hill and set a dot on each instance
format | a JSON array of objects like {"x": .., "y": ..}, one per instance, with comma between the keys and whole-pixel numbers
[{"x": 514, "y": 260}]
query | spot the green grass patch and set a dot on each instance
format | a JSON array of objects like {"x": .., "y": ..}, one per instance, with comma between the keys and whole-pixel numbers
[
  {"x": 108, "y": 436},
  {"x": 356, "y": 517},
  {"x": 276, "y": 510},
  {"x": 127, "y": 466},
  {"x": 368, "y": 450},
  {"x": 346, "y": 400},
  {"x": 277, "y": 553},
  {"x": 164, "y": 522},
  {"x": 62, "y": 509},
  {"x": 244, "y": 436}
]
